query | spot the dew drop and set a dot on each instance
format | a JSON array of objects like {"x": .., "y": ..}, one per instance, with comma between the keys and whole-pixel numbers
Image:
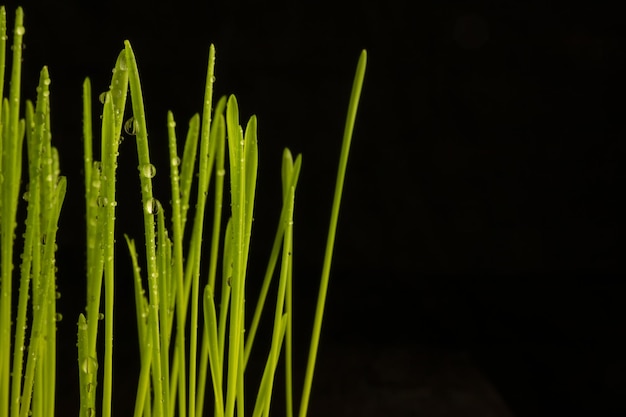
[
  {"x": 89, "y": 365},
  {"x": 147, "y": 170},
  {"x": 100, "y": 316},
  {"x": 221, "y": 172},
  {"x": 102, "y": 201},
  {"x": 130, "y": 126},
  {"x": 57, "y": 295},
  {"x": 20, "y": 30},
  {"x": 175, "y": 161},
  {"x": 152, "y": 206},
  {"x": 102, "y": 97},
  {"x": 58, "y": 317},
  {"x": 26, "y": 196}
]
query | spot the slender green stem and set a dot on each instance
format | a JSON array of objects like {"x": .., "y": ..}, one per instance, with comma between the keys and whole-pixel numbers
[
  {"x": 205, "y": 162},
  {"x": 11, "y": 177},
  {"x": 332, "y": 229},
  {"x": 237, "y": 180}
]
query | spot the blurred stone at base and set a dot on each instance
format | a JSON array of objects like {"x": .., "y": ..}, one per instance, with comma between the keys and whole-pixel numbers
[{"x": 401, "y": 381}]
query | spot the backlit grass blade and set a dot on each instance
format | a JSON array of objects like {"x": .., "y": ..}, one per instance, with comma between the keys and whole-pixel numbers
[
  {"x": 332, "y": 229},
  {"x": 210, "y": 326},
  {"x": 10, "y": 171},
  {"x": 280, "y": 320},
  {"x": 290, "y": 175},
  {"x": 237, "y": 186},
  {"x": 204, "y": 175},
  {"x": 218, "y": 139},
  {"x": 146, "y": 173}
]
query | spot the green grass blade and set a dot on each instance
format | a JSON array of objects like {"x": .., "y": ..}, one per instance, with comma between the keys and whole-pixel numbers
[
  {"x": 188, "y": 163},
  {"x": 332, "y": 229},
  {"x": 210, "y": 324},
  {"x": 86, "y": 372},
  {"x": 218, "y": 138},
  {"x": 11, "y": 176},
  {"x": 87, "y": 136},
  {"x": 205, "y": 165},
  {"x": 237, "y": 180},
  {"x": 290, "y": 175},
  {"x": 147, "y": 171}
]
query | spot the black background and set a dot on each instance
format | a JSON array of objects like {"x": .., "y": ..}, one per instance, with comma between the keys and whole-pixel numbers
[{"x": 483, "y": 205}]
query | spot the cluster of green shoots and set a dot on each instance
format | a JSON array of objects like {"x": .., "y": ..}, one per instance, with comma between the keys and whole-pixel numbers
[{"x": 190, "y": 320}]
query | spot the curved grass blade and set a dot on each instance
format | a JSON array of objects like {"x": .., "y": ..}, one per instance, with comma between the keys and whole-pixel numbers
[{"x": 332, "y": 229}]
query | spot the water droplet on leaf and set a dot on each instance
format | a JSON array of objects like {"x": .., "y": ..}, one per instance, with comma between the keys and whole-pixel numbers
[
  {"x": 152, "y": 206},
  {"x": 148, "y": 170},
  {"x": 130, "y": 126},
  {"x": 89, "y": 365}
]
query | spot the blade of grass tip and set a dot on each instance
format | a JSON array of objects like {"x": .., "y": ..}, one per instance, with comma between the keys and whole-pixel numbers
[
  {"x": 177, "y": 233},
  {"x": 237, "y": 180},
  {"x": 108, "y": 226},
  {"x": 11, "y": 151},
  {"x": 206, "y": 159},
  {"x": 251, "y": 151},
  {"x": 250, "y": 164},
  {"x": 48, "y": 384},
  {"x": 95, "y": 260},
  {"x": 294, "y": 173},
  {"x": 119, "y": 91},
  {"x": 187, "y": 166},
  {"x": 147, "y": 172},
  {"x": 218, "y": 137},
  {"x": 35, "y": 140},
  {"x": 341, "y": 173},
  {"x": 288, "y": 179},
  {"x": 114, "y": 105}
]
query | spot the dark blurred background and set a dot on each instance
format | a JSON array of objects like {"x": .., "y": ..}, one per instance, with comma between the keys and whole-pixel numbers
[{"x": 482, "y": 211}]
